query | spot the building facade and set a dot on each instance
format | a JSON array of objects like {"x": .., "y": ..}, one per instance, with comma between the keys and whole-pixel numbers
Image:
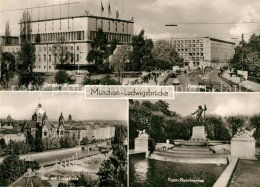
[
  {"x": 203, "y": 51},
  {"x": 78, "y": 33}
]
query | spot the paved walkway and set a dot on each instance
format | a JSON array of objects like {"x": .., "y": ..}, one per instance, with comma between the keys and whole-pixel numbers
[{"x": 248, "y": 84}]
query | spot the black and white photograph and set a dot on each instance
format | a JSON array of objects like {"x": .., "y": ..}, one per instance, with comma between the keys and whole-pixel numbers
[
  {"x": 129, "y": 93},
  {"x": 195, "y": 140},
  {"x": 194, "y": 45},
  {"x": 62, "y": 140}
]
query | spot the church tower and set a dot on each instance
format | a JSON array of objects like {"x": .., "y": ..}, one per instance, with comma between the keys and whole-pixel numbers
[{"x": 61, "y": 120}]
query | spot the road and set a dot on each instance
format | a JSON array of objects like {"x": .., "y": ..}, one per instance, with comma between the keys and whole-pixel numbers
[
  {"x": 184, "y": 82},
  {"x": 213, "y": 75}
]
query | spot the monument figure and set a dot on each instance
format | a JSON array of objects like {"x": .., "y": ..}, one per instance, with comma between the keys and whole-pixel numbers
[
  {"x": 142, "y": 134},
  {"x": 198, "y": 130},
  {"x": 243, "y": 144},
  {"x": 199, "y": 112}
]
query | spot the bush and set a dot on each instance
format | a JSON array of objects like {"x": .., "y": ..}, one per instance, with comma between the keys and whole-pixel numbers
[
  {"x": 17, "y": 148},
  {"x": 62, "y": 77},
  {"x": 107, "y": 80}
]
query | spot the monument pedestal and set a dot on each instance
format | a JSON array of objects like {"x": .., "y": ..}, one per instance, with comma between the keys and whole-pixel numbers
[
  {"x": 198, "y": 134},
  {"x": 144, "y": 144},
  {"x": 243, "y": 148}
]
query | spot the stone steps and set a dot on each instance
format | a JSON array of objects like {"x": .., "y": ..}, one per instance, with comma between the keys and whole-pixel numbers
[
  {"x": 189, "y": 155},
  {"x": 191, "y": 148},
  {"x": 190, "y": 151},
  {"x": 197, "y": 160}
]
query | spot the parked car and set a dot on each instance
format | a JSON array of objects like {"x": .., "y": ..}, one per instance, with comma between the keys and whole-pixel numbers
[
  {"x": 176, "y": 81},
  {"x": 173, "y": 75}
]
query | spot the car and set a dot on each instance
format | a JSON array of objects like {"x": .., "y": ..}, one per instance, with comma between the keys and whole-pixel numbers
[
  {"x": 176, "y": 81},
  {"x": 173, "y": 75}
]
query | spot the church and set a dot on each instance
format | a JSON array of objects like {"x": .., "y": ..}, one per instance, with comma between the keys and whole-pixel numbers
[{"x": 41, "y": 127}]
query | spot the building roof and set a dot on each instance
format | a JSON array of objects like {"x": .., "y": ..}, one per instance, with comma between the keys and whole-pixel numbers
[
  {"x": 87, "y": 16},
  {"x": 212, "y": 39},
  {"x": 31, "y": 123}
]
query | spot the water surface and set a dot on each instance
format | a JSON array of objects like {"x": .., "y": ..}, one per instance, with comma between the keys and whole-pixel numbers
[{"x": 148, "y": 172}]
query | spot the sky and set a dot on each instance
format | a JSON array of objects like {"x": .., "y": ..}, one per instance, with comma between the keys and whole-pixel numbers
[
  {"x": 223, "y": 104},
  {"x": 152, "y": 15},
  {"x": 22, "y": 106}
]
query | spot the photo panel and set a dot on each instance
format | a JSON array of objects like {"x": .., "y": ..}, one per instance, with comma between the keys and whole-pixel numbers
[
  {"x": 194, "y": 140},
  {"x": 62, "y": 139}
]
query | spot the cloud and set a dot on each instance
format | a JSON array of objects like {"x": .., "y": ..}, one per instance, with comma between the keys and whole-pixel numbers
[
  {"x": 237, "y": 106},
  {"x": 250, "y": 13}
]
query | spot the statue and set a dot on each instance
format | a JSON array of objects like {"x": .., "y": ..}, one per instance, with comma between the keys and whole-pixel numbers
[
  {"x": 142, "y": 134},
  {"x": 199, "y": 112},
  {"x": 243, "y": 133}
]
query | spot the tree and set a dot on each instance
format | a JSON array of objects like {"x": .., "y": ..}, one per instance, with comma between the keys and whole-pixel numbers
[
  {"x": 119, "y": 60},
  {"x": 2, "y": 143},
  {"x": 141, "y": 55},
  {"x": 62, "y": 77},
  {"x": 7, "y": 37},
  {"x": 101, "y": 49},
  {"x": 30, "y": 141},
  {"x": 8, "y": 69},
  {"x": 247, "y": 55},
  {"x": 235, "y": 123},
  {"x": 13, "y": 168},
  {"x": 165, "y": 55},
  {"x": 84, "y": 141},
  {"x": 83, "y": 181},
  {"x": 27, "y": 53},
  {"x": 62, "y": 53},
  {"x": 107, "y": 80},
  {"x": 113, "y": 171}
]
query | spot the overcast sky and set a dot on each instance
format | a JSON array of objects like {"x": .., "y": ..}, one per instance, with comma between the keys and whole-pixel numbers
[
  {"x": 22, "y": 106},
  {"x": 152, "y": 15}
]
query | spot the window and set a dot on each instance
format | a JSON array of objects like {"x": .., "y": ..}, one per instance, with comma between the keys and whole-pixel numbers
[
  {"x": 49, "y": 57},
  {"x": 77, "y": 47},
  {"x": 71, "y": 58},
  {"x": 44, "y": 58},
  {"x": 44, "y": 48},
  {"x": 39, "y": 67},
  {"x": 44, "y": 67},
  {"x": 71, "y": 48},
  {"x": 49, "y": 48},
  {"x": 77, "y": 58},
  {"x": 49, "y": 67},
  {"x": 39, "y": 57}
]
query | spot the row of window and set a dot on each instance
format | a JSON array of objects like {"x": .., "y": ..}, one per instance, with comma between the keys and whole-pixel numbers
[
  {"x": 44, "y": 67},
  {"x": 123, "y": 38},
  {"x": 50, "y": 48},
  {"x": 189, "y": 45},
  {"x": 192, "y": 54},
  {"x": 187, "y": 41},
  {"x": 191, "y": 49},
  {"x": 55, "y": 58},
  {"x": 52, "y": 37}
]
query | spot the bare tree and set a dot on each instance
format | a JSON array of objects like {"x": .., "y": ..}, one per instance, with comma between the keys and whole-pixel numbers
[
  {"x": 61, "y": 52},
  {"x": 120, "y": 58},
  {"x": 7, "y": 37},
  {"x": 25, "y": 27}
]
